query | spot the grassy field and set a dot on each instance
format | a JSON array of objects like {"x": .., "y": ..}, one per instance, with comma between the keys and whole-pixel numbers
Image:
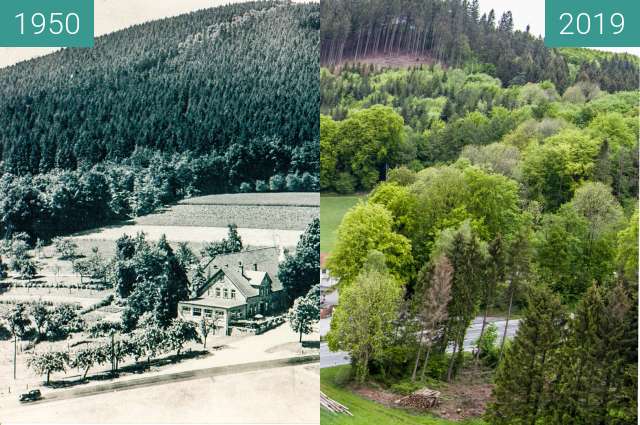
[
  {"x": 332, "y": 209},
  {"x": 367, "y": 412}
]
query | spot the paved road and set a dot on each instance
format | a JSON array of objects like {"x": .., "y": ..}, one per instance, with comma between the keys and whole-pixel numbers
[
  {"x": 330, "y": 358},
  {"x": 149, "y": 381},
  {"x": 277, "y": 395}
]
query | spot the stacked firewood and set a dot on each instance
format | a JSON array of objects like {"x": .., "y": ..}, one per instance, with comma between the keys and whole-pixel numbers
[
  {"x": 420, "y": 400},
  {"x": 332, "y": 405}
]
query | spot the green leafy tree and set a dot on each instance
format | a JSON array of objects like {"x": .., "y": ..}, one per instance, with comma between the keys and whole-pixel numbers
[
  {"x": 18, "y": 320},
  {"x": 40, "y": 314},
  {"x": 364, "y": 228},
  {"x": 89, "y": 357},
  {"x": 363, "y": 322}
]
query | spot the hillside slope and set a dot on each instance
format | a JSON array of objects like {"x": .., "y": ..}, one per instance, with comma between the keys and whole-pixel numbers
[{"x": 211, "y": 80}]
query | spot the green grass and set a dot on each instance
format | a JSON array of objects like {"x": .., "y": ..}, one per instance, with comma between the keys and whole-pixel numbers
[
  {"x": 332, "y": 209},
  {"x": 367, "y": 412}
]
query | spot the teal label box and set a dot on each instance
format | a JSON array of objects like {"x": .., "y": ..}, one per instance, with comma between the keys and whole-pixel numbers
[
  {"x": 46, "y": 23},
  {"x": 592, "y": 23}
]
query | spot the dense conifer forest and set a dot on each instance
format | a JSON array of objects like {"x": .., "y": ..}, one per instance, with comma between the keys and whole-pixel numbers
[
  {"x": 454, "y": 32},
  {"x": 218, "y": 100}
]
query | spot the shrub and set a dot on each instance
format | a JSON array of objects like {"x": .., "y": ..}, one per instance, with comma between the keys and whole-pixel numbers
[
  {"x": 261, "y": 186},
  {"x": 277, "y": 183},
  {"x": 345, "y": 183},
  {"x": 310, "y": 183},
  {"x": 294, "y": 183},
  {"x": 246, "y": 187}
]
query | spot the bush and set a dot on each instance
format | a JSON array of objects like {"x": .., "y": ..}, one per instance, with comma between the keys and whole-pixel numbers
[
  {"x": 294, "y": 183},
  {"x": 277, "y": 183},
  {"x": 261, "y": 186},
  {"x": 246, "y": 187},
  {"x": 310, "y": 183},
  {"x": 489, "y": 351},
  {"x": 345, "y": 183}
]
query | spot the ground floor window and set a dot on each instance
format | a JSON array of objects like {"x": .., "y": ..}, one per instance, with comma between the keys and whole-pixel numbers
[
  {"x": 197, "y": 311},
  {"x": 208, "y": 312},
  {"x": 186, "y": 309}
]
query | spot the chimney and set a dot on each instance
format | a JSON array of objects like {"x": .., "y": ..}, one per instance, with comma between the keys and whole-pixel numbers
[
  {"x": 241, "y": 268},
  {"x": 255, "y": 267}
]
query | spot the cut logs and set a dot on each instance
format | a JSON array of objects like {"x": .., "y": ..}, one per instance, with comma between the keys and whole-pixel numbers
[
  {"x": 332, "y": 405},
  {"x": 420, "y": 400}
]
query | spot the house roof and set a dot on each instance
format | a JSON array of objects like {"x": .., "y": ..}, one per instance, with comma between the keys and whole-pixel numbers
[{"x": 266, "y": 260}]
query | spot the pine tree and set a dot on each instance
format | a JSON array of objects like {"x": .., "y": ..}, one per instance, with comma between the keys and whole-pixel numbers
[{"x": 520, "y": 391}]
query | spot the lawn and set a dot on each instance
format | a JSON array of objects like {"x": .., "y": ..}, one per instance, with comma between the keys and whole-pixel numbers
[
  {"x": 367, "y": 412},
  {"x": 332, "y": 209}
]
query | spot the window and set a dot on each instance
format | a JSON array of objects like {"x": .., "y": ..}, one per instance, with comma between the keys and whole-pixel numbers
[
  {"x": 186, "y": 309},
  {"x": 226, "y": 293},
  {"x": 233, "y": 294},
  {"x": 217, "y": 292},
  {"x": 219, "y": 313},
  {"x": 197, "y": 311},
  {"x": 208, "y": 312}
]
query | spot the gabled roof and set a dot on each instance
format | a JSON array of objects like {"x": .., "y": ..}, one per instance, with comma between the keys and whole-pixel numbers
[{"x": 266, "y": 259}]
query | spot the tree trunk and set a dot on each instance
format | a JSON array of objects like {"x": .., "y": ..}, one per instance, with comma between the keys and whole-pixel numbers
[
  {"x": 506, "y": 324},
  {"x": 415, "y": 366},
  {"x": 452, "y": 360},
  {"x": 84, "y": 376},
  {"x": 426, "y": 362},
  {"x": 48, "y": 374},
  {"x": 301, "y": 336}
]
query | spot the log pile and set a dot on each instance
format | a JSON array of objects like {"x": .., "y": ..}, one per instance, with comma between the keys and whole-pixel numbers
[
  {"x": 332, "y": 405},
  {"x": 420, "y": 400}
]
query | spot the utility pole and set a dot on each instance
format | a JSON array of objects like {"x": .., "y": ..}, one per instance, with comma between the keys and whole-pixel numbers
[{"x": 15, "y": 354}]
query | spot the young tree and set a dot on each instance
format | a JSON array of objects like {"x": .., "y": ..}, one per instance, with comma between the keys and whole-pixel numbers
[
  {"x": 517, "y": 270},
  {"x": 521, "y": 388},
  {"x": 495, "y": 274},
  {"x": 48, "y": 362},
  {"x": 305, "y": 312},
  {"x": 185, "y": 256},
  {"x": 179, "y": 333},
  {"x": 362, "y": 323},
  {"x": 206, "y": 326},
  {"x": 67, "y": 249},
  {"x": 40, "y": 314},
  {"x": 89, "y": 357},
  {"x": 435, "y": 296},
  {"x": 150, "y": 336},
  {"x": 18, "y": 320},
  {"x": 299, "y": 272}
]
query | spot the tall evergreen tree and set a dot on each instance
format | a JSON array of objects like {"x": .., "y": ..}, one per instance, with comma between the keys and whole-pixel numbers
[{"x": 521, "y": 389}]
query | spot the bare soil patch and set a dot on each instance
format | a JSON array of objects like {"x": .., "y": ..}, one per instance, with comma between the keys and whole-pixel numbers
[
  {"x": 465, "y": 398},
  {"x": 395, "y": 61}
]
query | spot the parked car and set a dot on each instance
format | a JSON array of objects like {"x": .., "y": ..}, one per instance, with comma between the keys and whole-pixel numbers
[{"x": 32, "y": 395}]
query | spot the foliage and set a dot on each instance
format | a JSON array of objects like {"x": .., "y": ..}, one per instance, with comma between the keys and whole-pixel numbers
[
  {"x": 367, "y": 227},
  {"x": 305, "y": 312},
  {"x": 232, "y": 243},
  {"x": 179, "y": 333},
  {"x": 520, "y": 390},
  {"x": 301, "y": 271},
  {"x": 17, "y": 320},
  {"x": 48, "y": 362},
  {"x": 363, "y": 322}
]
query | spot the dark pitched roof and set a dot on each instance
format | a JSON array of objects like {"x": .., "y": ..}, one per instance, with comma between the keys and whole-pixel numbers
[{"x": 262, "y": 259}]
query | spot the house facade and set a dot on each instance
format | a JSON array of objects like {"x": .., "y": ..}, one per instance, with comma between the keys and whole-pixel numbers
[{"x": 236, "y": 286}]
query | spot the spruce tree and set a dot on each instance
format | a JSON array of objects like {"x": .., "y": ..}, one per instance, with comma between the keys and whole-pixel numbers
[{"x": 521, "y": 391}]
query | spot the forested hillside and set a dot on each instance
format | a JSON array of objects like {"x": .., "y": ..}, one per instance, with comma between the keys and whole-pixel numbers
[
  {"x": 454, "y": 32},
  {"x": 547, "y": 140},
  {"x": 218, "y": 100}
]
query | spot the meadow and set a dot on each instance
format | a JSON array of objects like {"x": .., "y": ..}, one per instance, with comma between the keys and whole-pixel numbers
[
  {"x": 332, "y": 209},
  {"x": 365, "y": 412}
]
